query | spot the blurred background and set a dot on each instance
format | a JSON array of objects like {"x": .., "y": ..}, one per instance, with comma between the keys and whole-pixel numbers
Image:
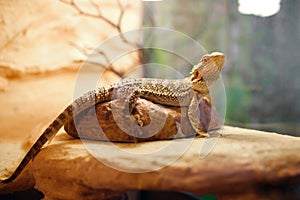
[
  {"x": 44, "y": 44},
  {"x": 260, "y": 40}
]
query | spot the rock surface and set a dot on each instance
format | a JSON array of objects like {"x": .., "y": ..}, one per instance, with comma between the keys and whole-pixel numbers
[
  {"x": 148, "y": 121},
  {"x": 242, "y": 160}
]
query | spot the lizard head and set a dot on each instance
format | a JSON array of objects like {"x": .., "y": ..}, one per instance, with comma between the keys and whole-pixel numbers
[{"x": 207, "y": 71}]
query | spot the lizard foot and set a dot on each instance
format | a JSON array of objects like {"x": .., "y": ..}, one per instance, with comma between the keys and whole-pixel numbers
[
  {"x": 209, "y": 134},
  {"x": 202, "y": 134}
]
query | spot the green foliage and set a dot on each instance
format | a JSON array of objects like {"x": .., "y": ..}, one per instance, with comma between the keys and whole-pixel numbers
[
  {"x": 262, "y": 55},
  {"x": 238, "y": 100},
  {"x": 209, "y": 197}
]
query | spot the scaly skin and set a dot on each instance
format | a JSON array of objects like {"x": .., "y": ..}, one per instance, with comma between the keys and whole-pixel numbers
[{"x": 182, "y": 92}]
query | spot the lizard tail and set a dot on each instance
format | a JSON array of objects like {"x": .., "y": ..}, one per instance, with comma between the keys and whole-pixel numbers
[
  {"x": 50, "y": 132},
  {"x": 80, "y": 104}
]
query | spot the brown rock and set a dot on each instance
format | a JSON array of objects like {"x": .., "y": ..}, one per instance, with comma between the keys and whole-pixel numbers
[
  {"x": 242, "y": 160},
  {"x": 148, "y": 121}
]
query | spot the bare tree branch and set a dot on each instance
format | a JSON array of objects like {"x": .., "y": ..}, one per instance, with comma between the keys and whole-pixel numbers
[
  {"x": 99, "y": 15},
  {"x": 92, "y": 2},
  {"x": 108, "y": 66},
  {"x": 104, "y": 55},
  {"x": 82, "y": 12},
  {"x": 84, "y": 51}
]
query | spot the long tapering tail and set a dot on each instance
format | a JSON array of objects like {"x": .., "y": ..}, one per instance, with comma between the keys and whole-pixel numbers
[{"x": 50, "y": 132}]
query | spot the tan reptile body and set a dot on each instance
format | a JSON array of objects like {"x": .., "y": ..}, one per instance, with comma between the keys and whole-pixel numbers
[{"x": 181, "y": 92}]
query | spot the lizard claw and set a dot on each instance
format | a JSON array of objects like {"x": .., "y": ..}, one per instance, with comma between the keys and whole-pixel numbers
[{"x": 203, "y": 134}]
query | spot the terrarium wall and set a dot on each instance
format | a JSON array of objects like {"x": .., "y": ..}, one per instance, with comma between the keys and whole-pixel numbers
[{"x": 42, "y": 46}]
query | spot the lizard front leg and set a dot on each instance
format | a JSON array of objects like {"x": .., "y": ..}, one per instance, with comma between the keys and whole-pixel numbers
[
  {"x": 122, "y": 108},
  {"x": 194, "y": 114}
]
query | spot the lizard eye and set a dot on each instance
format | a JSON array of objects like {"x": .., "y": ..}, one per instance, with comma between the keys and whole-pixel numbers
[{"x": 204, "y": 59}]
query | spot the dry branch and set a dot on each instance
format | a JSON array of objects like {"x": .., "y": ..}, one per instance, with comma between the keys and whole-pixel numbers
[{"x": 116, "y": 25}]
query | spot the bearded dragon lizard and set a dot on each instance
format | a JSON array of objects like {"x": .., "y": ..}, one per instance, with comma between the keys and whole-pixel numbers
[{"x": 181, "y": 92}]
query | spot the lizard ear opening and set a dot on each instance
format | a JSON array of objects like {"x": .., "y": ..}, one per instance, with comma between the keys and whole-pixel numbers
[{"x": 194, "y": 75}]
